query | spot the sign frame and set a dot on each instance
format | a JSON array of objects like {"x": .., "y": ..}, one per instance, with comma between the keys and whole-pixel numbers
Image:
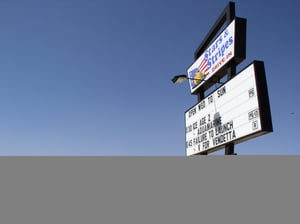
[{"x": 264, "y": 110}]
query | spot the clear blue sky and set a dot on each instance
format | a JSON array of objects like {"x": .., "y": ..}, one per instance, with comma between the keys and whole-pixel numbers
[{"x": 92, "y": 77}]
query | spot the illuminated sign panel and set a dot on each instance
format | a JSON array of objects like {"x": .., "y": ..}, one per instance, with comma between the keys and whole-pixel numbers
[
  {"x": 236, "y": 111},
  {"x": 219, "y": 53}
]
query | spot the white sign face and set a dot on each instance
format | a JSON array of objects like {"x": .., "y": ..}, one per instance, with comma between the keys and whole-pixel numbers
[
  {"x": 213, "y": 59},
  {"x": 229, "y": 114}
]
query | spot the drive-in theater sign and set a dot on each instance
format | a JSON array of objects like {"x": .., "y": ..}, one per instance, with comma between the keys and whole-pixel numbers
[{"x": 239, "y": 109}]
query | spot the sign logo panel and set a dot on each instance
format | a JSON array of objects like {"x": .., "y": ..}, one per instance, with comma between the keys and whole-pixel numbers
[{"x": 213, "y": 59}]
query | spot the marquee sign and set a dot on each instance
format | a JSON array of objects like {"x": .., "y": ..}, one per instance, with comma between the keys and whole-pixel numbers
[
  {"x": 218, "y": 54},
  {"x": 235, "y": 112}
]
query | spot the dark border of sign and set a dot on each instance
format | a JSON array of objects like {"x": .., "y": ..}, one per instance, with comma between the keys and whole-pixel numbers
[
  {"x": 263, "y": 103},
  {"x": 227, "y": 16}
]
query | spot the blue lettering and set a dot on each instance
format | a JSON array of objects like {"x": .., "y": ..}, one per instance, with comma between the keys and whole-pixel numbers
[
  {"x": 207, "y": 53},
  {"x": 212, "y": 56},
  {"x": 223, "y": 49},
  {"x": 226, "y": 33},
  {"x": 230, "y": 40},
  {"x": 209, "y": 63},
  {"x": 220, "y": 39}
]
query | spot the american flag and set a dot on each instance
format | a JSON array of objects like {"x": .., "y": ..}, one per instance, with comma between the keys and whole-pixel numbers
[{"x": 203, "y": 67}]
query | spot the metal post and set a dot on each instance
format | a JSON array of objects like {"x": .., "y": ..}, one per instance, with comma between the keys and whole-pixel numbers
[
  {"x": 226, "y": 17},
  {"x": 229, "y": 149},
  {"x": 200, "y": 95},
  {"x": 231, "y": 72}
]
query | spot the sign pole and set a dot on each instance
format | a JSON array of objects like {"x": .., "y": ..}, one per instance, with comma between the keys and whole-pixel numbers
[
  {"x": 201, "y": 96},
  {"x": 231, "y": 72},
  {"x": 226, "y": 17}
]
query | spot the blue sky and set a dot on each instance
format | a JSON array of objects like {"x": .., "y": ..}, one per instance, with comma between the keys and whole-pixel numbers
[{"x": 92, "y": 77}]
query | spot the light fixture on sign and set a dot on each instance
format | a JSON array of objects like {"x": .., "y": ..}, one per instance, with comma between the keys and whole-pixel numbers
[{"x": 182, "y": 78}]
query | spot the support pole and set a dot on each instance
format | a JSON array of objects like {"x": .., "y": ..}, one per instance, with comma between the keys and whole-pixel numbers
[
  {"x": 226, "y": 17},
  {"x": 231, "y": 72},
  {"x": 200, "y": 96},
  {"x": 229, "y": 149}
]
